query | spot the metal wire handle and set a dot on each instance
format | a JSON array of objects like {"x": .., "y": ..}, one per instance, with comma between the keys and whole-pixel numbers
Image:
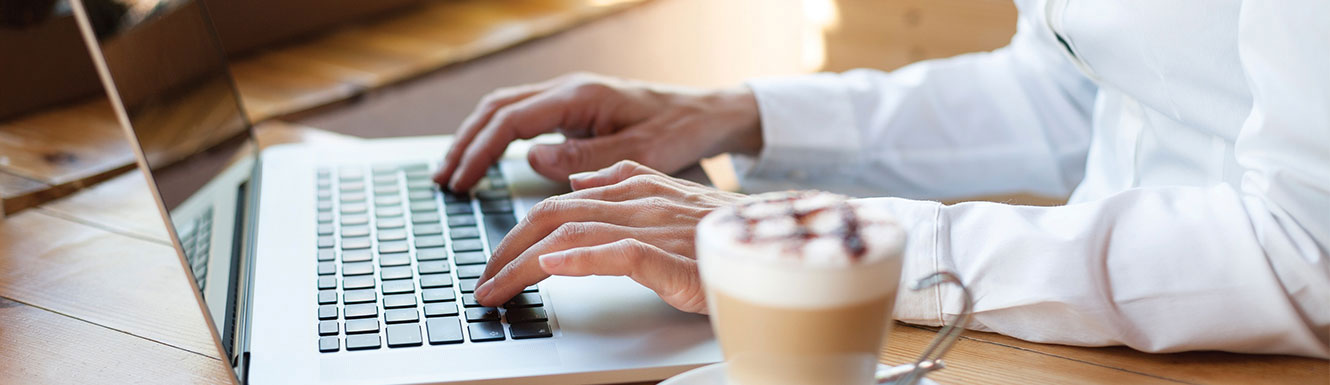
[{"x": 931, "y": 359}]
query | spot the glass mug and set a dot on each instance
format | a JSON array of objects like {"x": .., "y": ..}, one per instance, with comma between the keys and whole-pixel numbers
[{"x": 783, "y": 322}]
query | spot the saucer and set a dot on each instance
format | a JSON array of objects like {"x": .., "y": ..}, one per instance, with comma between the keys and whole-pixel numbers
[{"x": 714, "y": 374}]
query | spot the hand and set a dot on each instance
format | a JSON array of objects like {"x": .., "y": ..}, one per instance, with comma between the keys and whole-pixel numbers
[
  {"x": 605, "y": 120},
  {"x": 623, "y": 220}
]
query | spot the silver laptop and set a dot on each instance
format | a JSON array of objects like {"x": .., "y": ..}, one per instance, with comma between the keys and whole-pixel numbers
[{"x": 344, "y": 263}]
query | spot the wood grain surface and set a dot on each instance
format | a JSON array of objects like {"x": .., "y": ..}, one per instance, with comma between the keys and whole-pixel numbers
[{"x": 50, "y": 153}]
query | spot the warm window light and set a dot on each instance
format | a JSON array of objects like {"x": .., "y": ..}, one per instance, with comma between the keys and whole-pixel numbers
[{"x": 820, "y": 16}]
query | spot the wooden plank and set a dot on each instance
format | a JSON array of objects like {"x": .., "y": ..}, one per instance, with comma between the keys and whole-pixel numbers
[
  {"x": 1191, "y": 367},
  {"x": 122, "y": 204},
  {"x": 38, "y": 346},
  {"x": 124, "y": 283},
  {"x": 63, "y": 149}
]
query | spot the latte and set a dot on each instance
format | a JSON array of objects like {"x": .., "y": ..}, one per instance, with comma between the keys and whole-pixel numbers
[{"x": 800, "y": 287}]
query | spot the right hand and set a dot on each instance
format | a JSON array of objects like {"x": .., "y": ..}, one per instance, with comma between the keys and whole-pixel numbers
[{"x": 605, "y": 120}]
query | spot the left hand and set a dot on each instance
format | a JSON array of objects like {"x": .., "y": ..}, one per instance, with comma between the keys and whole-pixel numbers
[{"x": 626, "y": 220}]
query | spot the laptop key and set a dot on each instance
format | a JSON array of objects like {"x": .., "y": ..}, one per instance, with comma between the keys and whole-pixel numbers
[
  {"x": 362, "y": 341},
  {"x": 492, "y": 194},
  {"x": 354, "y": 219},
  {"x": 387, "y": 200},
  {"x": 355, "y": 243},
  {"x": 327, "y": 297},
  {"x": 530, "y": 314},
  {"x": 325, "y": 217},
  {"x": 396, "y": 272},
  {"x": 358, "y": 282},
  {"x": 354, "y": 208},
  {"x": 390, "y": 223},
  {"x": 327, "y": 312},
  {"x": 328, "y": 328},
  {"x": 326, "y": 255},
  {"x": 485, "y": 331},
  {"x": 327, "y": 283},
  {"x": 467, "y": 285},
  {"x": 429, "y": 241},
  {"x": 480, "y": 314},
  {"x": 418, "y": 194},
  {"x": 393, "y": 247},
  {"x": 329, "y": 344},
  {"x": 355, "y": 231},
  {"x": 465, "y": 245},
  {"x": 470, "y": 271},
  {"x": 400, "y": 315},
  {"x": 354, "y": 197},
  {"x": 531, "y": 330},
  {"x": 469, "y": 300},
  {"x": 464, "y": 233},
  {"x": 440, "y": 309},
  {"x": 398, "y": 286},
  {"x": 444, "y": 330},
  {"x": 437, "y": 295},
  {"x": 359, "y": 296},
  {"x": 497, "y": 226},
  {"x": 496, "y": 206},
  {"x": 470, "y": 258},
  {"x": 361, "y": 310},
  {"x": 424, "y": 207},
  {"x": 327, "y": 268},
  {"x": 357, "y": 268},
  {"x": 427, "y": 229},
  {"x": 403, "y": 335},
  {"x": 431, "y": 254},
  {"x": 359, "y": 255},
  {"x": 394, "y": 259},
  {"x": 432, "y": 267},
  {"x": 524, "y": 300},
  {"x": 362, "y": 326},
  {"x": 461, "y": 220},
  {"x": 399, "y": 300},
  {"x": 435, "y": 280},
  {"x": 388, "y": 211},
  {"x": 392, "y": 235},
  {"x": 457, "y": 208},
  {"x": 424, "y": 218},
  {"x": 325, "y": 229},
  {"x": 326, "y": 241}
]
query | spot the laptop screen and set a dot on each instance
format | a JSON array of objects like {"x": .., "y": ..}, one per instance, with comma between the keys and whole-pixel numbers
[{"x": 164, "y": 70}]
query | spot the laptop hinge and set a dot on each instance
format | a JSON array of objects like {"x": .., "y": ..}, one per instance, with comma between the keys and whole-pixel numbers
[{"x": 245, "y": 296}]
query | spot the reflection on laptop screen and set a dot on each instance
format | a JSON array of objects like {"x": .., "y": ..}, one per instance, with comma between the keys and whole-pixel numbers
[{"x": 168, "y": 74}]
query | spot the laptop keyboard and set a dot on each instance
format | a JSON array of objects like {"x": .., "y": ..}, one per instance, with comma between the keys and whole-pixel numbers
[
  {"x": 196, "y": 240},
  {"x": 398, "y": 261}
]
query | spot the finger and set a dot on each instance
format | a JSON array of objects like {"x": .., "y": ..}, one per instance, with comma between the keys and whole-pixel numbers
[
  {"x": 547, "y": 216},
  {"x": 672, "y": 277},
  {"x": 524, "y": 119},
  {"x": 610, "y": 175},
  {"x": 478, "y": 119},
  {"x": 525, "y": 270},
  {"x": 558, "y": 161}
]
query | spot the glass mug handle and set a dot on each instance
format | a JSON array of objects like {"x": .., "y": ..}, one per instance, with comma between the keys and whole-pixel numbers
[{"x": 931, "y": 359}]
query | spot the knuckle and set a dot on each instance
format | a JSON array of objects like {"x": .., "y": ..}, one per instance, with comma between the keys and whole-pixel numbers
[
  {"x": 571, "y": 231},
  {"x": 543, "y": 211}
]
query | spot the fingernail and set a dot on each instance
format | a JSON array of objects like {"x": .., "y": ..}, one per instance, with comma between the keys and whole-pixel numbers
[
  {"x": 484, "y": 290},
  {"x": 552, "y": 260},
  {"x": 581, "y": 175}
]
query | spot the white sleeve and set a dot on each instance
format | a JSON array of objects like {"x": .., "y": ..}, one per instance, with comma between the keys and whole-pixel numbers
[
  {"x": 1241, "y": 269},
  {"x": 1013, "y": 120}
]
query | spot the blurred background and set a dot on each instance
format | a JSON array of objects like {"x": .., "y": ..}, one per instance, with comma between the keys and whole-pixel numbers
[{"x": 417, "y": 67}]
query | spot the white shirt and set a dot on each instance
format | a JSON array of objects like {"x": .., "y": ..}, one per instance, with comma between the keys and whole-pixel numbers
[{"x": 1192, "y": 136}]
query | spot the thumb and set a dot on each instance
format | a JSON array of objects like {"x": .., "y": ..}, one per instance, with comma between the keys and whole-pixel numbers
[
  {"x": 674, "y": 278},
  {"x": 557, "y": 161}
]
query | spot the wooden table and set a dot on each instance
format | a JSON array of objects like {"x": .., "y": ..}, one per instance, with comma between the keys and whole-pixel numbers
[{"x": 91, "y": 292}]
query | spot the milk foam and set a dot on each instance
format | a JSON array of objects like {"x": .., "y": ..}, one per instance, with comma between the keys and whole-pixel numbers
[{"x": 801, "y": 249}]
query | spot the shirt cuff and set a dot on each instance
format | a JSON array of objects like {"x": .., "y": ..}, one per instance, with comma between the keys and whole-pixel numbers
[
  {"x": 808, "y": 130},
  {"x": 920, "y": 259}
]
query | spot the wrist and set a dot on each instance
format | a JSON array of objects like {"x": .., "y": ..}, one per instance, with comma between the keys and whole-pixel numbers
[{"x": 741, "y": 122}]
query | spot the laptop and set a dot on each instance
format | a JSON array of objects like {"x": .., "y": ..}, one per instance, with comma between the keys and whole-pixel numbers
[{"x": 344, "y": 263}]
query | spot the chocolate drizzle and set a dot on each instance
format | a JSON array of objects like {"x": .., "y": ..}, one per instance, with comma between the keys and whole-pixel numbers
[{"x": 848, "y": 232}]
